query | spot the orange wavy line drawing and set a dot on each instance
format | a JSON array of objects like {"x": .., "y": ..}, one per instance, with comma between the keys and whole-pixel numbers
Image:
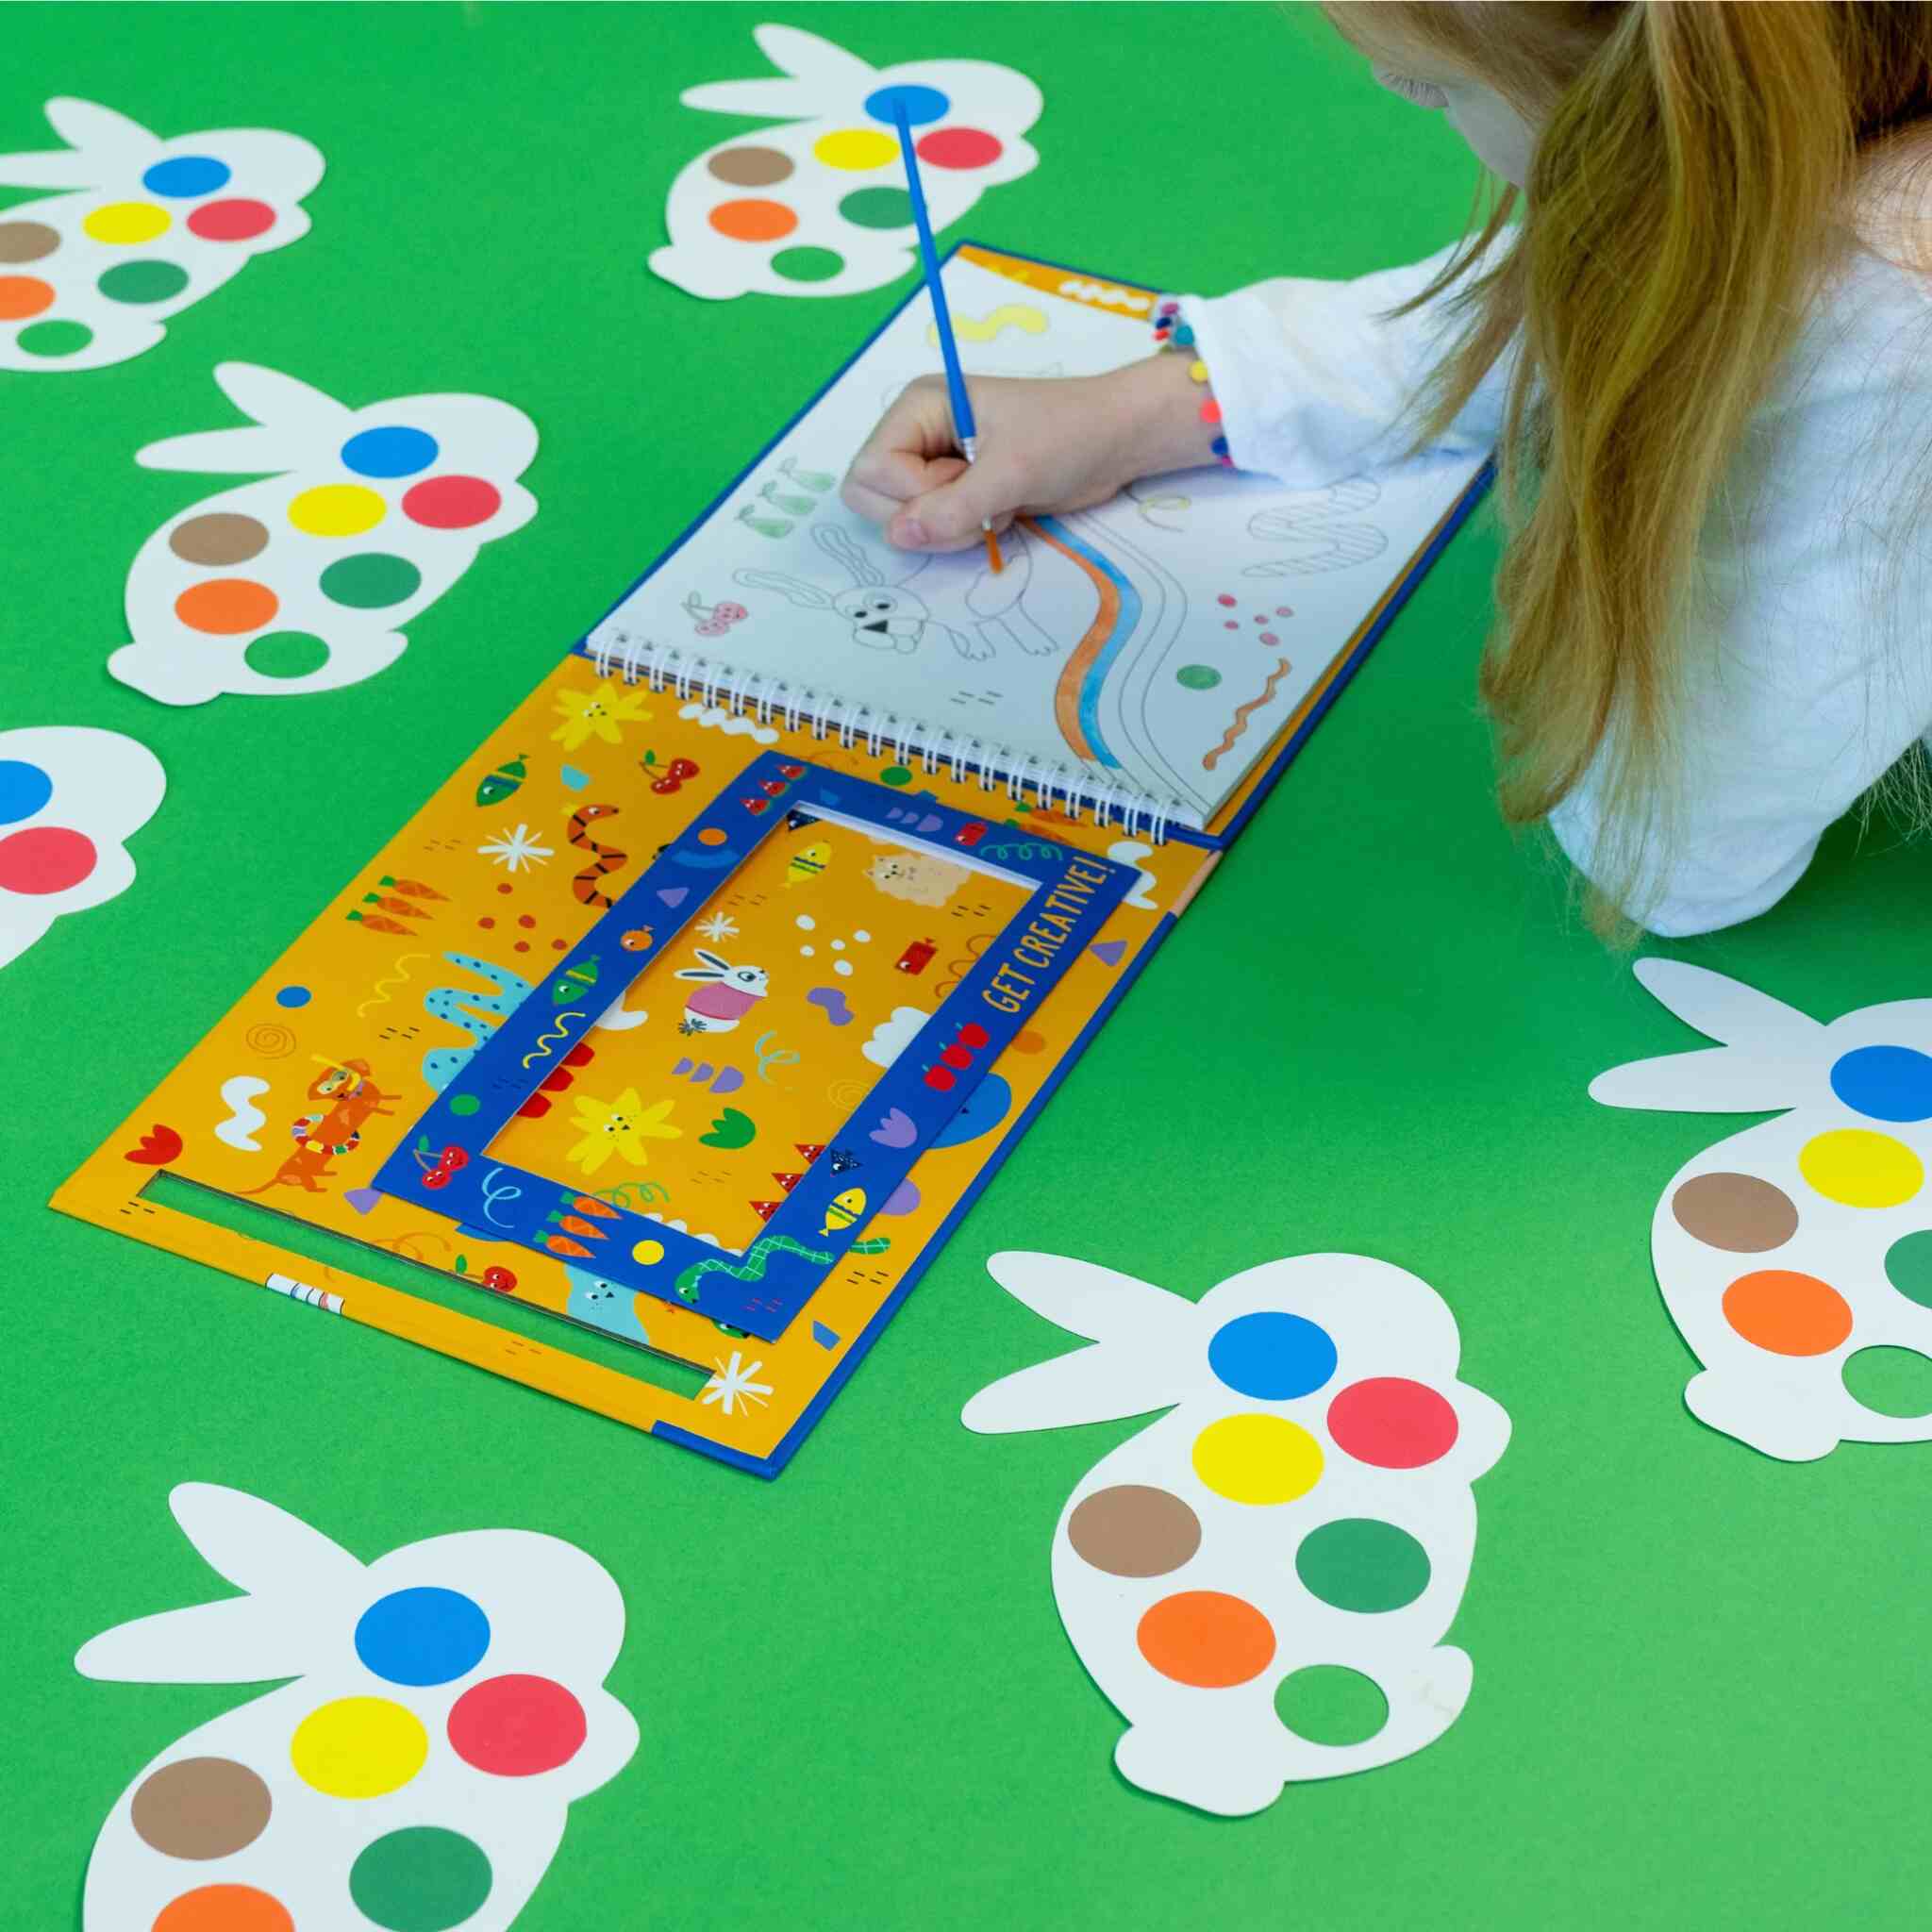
[
  {"x": 398, "y": 975},
  {"x": 1241, "y": 717},
  {"x": 1066, "y": 696}
]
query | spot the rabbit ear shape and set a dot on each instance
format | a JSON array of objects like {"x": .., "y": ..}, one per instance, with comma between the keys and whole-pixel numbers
[
  {"x": 293, "y": 1574},
  {"x": 806, "y": 596},
  {"x": 1726, "y": 1009},
  {"x": 292, "y": 419},
  {"x": 818, "y": 72},
  {"x": 1099, "y": 1384},
  {"x": 99, "y": 143},
  {"x": 278, "y": 401},
  {"x": 842, "y": 550}
]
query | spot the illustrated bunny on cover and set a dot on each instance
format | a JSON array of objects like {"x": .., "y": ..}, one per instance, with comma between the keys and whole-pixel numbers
[
  {"x": 886, "y": 614},
  {"x": 726, "y": 994},
  {"x": 446, "y": 1710},
  {"x": 89, "y": 277},
  {"x": 820, "y": 208},
  {"x": 1306, "y": 1504},
  {"x": 1786, "y": 1249},
  {"x": 300, "y": 581}
]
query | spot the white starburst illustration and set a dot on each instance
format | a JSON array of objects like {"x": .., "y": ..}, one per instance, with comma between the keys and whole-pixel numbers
[
  {"x": 515, "y": 850},
  {"x": 733, "y": 1383},
  {"x": 718, "y": 927}
]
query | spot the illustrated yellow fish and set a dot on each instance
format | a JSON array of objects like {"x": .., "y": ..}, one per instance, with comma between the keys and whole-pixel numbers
[
  {"x": 807, "y": 863},
  {"x": 843, "y": 1209}
]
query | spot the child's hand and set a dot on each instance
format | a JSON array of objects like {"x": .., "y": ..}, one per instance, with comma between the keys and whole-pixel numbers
[{"x": 1044, "y": 446}]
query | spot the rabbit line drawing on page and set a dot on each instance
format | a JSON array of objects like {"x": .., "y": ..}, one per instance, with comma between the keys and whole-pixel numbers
[
  {"x": 1305, "y": 1504},
  {"x": 724, "y": 995},
  {"x": 447, "y": 1708},
  {"x": 1319, "y": 520},
  {"x": 359, "y": 520},
  {"x": 965, "y": 603},
  {"x": 819, "y": 207},
  {"x": 138, "y": 229},
  {"x": 1785, "y": 1251}
]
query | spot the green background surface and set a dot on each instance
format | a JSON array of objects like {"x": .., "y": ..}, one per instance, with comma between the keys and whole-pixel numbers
[{"x": 1702, "y": 1678}]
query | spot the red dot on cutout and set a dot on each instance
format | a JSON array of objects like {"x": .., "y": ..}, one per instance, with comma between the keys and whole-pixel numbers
[
  {"x": 959, "y": 147},
  {"x": 939, "y": 1078},
  {"x": 1391, "y": 1422},
  {"x": 486, "y": 923},
  {"x": 957, "y": 1057},
  {"x": 526, "y": 920},
  {"x": 48, "y": 859},
  {"x": 1225, "y": 599},
  {"x": 521, "y": 946},
  {"x": 503, "y": 888},
  {"x": 1230, "y": 624},
  {"x": 558, "y": 946},
  {"x": 232, "y": 221},
  {"x": 1268, "y": 637},
  {"x": 973, "y": 1036},
  {"x": 517, "y": 1727},
  {"x": 451, "y": 503}
]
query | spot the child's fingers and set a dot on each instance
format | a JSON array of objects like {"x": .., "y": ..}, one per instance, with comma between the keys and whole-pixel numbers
[
  {"x": 953, "y": 516},
  {"x": 881, "y": 483}
]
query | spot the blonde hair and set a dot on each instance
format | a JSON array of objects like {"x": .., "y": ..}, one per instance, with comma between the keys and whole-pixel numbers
[{"x": 1693, "y": 183}]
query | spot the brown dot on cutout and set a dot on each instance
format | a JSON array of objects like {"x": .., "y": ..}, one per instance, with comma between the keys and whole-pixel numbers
[
  {"x": 749, "y": 167},
  {"x": 558, "y": 946},
  {"x": 526, "y": 920},
  {"x": 1132, "y": 1530},
  {"x": 218, "y": 537},
  {"x": 486, "y": 923},
  {"x": 26, "y": 240},
  {"x": 521, "y": 946},
  {"x": 503, "y": 888},
  {"x": 201, "y": 1807},
  {"x": 1736, "y": 1212}
]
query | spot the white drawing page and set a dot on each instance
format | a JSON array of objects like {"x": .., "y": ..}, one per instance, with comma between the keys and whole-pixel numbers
[{"x": 1158, "y": 643}]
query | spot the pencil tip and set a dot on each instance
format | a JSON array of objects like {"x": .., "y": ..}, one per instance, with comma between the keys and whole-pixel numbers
[{"x": 993, "y": 554}]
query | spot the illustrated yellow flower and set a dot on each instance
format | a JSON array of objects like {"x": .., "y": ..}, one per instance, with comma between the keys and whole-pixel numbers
[
  {"x": 619, "y": 1126},
  {"x": 588, "y": 714}
]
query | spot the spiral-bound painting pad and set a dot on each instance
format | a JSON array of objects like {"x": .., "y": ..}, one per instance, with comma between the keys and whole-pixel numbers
[
  {"x": 496, "y": 909},
  {"x": 1148, "y": 650}
]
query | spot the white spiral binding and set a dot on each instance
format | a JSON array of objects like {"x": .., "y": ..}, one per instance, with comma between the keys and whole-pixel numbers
[{"x": 1074, "y": 789}]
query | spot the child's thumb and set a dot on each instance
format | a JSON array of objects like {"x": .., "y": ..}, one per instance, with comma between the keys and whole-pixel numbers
[{"x": 950, "y": 517}]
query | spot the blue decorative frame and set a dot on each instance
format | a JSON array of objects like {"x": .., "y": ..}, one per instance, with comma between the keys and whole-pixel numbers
[{"x": 819, "y": 1223}]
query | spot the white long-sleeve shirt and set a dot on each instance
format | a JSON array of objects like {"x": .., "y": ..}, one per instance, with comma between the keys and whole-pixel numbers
[{"x": 1811, "y": 672}]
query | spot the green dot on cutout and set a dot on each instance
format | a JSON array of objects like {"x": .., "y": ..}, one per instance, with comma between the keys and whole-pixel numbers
[
  {"x": 286, "y": 653},
  {"x": 1197, "y": 676},
  {"x": 807, "y": 265},
  {"x": 1909, "y": 1266},
  {"x": 877, "y": 208},
  {"x": 370, "y": 581},
  {"x": 420, "y": 1879},
  {"x": 1360, "y": 1564},
  {"x": 1894, "y": 1382},
  {"x": 464, "y": 1103},
  {"x": 55, "y": 338},
  {"x": 895, "y": 774},
  {"x": 1328, "y": 1704},
  {"x": 142, "y": 281}
]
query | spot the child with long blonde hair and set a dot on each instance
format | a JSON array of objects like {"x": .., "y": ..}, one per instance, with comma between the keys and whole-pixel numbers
[{"x": 1696, "y": 325}]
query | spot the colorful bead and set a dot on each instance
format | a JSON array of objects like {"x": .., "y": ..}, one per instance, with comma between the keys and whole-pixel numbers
[
  {"x": 1184, "y": 336},
  {"x": 1169, "y": 309},
  {"x": 1219, "y": 446},
  {"x": 1210, "y": 410},
  {"x": 1198, "y": 371}
]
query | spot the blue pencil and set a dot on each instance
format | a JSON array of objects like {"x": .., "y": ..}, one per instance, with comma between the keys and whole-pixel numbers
[{"x": 963, "y": 426}]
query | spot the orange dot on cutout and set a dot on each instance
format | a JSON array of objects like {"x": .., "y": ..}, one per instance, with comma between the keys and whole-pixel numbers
[
  {"x": 225, "y": 607},
  {"x": 1788, "y": 1313},
  {"x": 22, "y": 296},
  {"x": 753, "y": 220},
  {"x": 1207, "y": 1639},
  {"x": 711, "y": 836},
  {"x": 1026, "y": 1041},
  {"x": 224, "y": 1908}
]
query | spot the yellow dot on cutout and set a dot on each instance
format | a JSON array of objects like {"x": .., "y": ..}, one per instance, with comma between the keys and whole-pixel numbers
[
  {"x": 124, "y": 223},
  {"x": 1258, "y": 1459},
  {"x": 649, "y": 1253},
  {"x": 359, "y": 1747},
  {"x": 336, "y": 510},
  {"x": 855, "y": 149},
  {"x": 1860, "y": 1169}
]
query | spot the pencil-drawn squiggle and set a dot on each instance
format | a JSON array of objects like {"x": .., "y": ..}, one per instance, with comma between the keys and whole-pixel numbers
[
  {"x": 543, "y": 1049},
  {"x": 398, "y": 975},
  {"x": 409, "y": 1247},
  {"x": 1314, "y": 521},
  {"x": 1241, "y": 714},
  {"x": 752, "y": 1268},
  {"x": 957, "y": 970},
  {"x": 618, "y": 1195}
]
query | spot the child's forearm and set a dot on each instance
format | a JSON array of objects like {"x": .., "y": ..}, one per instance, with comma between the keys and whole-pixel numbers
[{"x": 1151, "y": 413}]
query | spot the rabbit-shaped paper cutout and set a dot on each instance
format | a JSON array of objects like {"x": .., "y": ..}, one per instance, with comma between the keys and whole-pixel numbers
[
  {"x": 808, "y": 207},
  {"x": 137, "y": 228},
  {"x": 361, "y": 519},
  {"x": 1310, "y": 1399},
  {"x": 1786, "y": 1249},
  {"x": 70, "y": 797},
  {"x": 304, "y": 1820}
]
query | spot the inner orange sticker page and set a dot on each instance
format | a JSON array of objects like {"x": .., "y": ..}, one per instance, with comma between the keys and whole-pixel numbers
[{"x": 740, "y": 1052}]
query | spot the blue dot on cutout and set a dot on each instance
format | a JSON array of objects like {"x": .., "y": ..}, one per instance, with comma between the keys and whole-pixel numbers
[
  {"x": 185, "y": 175},
  {"x": 24, "y": 788},
  {"x": 1884, "y": 1083},
  {"x": 1272, "y": 1357},
  {"x": 922, "y": 104},
  {"x": 392, "y": 452},
  {"x": 293, "y": 996},
  {"x": 424, "y": 1636}
]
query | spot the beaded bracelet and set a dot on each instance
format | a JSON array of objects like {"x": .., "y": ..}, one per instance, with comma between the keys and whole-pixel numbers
[{"x": 1171, "y": 331}]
